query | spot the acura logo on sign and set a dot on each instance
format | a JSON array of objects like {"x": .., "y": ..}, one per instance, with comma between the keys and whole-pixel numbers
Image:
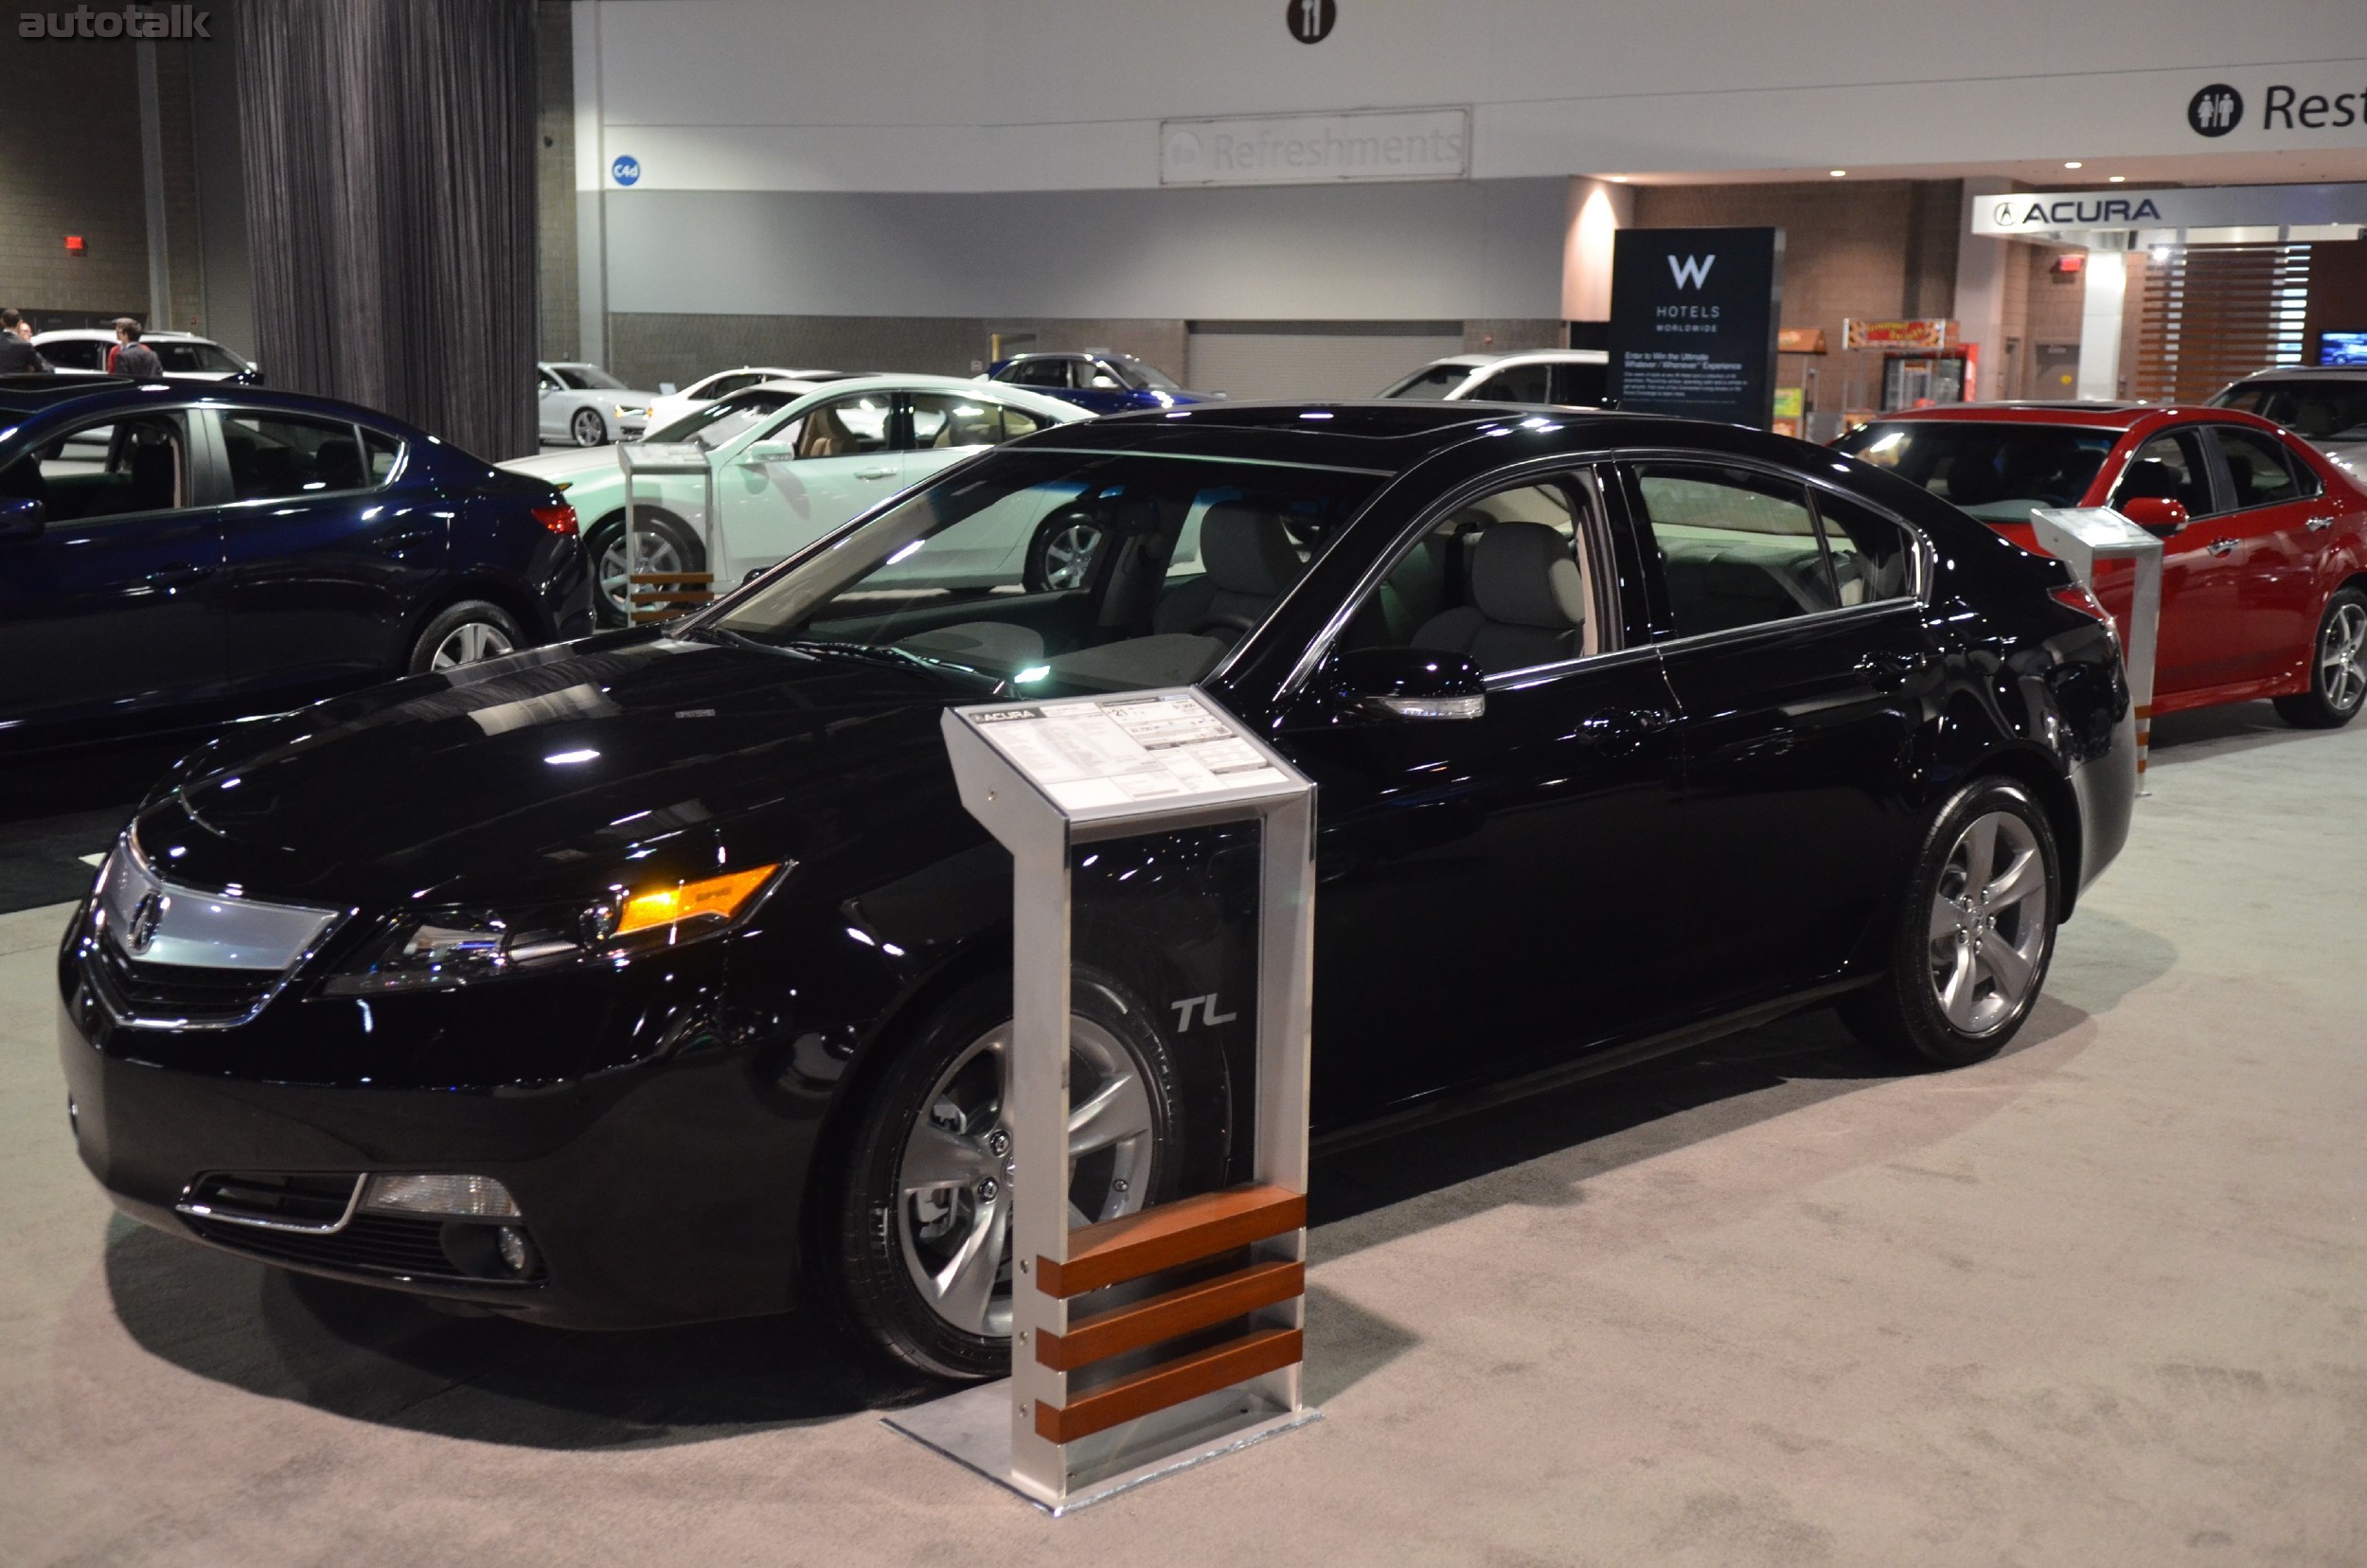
[
  {"x": 1310, "y": 20},
  {"x": 2215, "y": 111},
  {"x": 140, "y": 931},
  {"x": 1694, "y": 269}
]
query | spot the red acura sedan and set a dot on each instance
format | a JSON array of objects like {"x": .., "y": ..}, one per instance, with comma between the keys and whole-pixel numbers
[{"x": 2264, "y": 570}]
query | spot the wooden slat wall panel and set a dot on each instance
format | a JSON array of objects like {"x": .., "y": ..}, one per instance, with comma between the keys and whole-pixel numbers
[{"x": 2214, "y": 312}]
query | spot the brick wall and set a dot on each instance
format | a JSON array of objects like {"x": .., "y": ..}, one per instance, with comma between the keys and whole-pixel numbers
[{"x": 70, "y": 125}]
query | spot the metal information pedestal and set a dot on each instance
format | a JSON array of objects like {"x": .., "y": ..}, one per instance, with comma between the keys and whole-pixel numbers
[
  {"x": 639, "y": 457},
  {"x": 2081, "y": 536},
  {"x": 1149, "y": 1343}
]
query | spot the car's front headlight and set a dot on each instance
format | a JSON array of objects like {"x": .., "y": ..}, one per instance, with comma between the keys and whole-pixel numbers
[
  {"x": 632, "y": 411},
  {"x": 439, "y": 949}
]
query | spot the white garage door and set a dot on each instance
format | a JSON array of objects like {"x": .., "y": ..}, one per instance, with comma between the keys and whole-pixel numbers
[{"x": 1318, "y": 363}]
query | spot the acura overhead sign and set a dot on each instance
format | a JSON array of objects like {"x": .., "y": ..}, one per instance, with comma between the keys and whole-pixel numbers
[{"x": 2193, "y": 207}]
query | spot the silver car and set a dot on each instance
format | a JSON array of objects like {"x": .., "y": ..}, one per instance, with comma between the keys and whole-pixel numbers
[
  {"x": 82, "y": 352},
  {"x": 584, "y": 405},
  {"x": 1536, "y": 376},
  {"x": 2325, "y": 406}
]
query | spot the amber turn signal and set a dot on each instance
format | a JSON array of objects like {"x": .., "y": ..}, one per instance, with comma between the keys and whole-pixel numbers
[{"x": 722, "y": 897}]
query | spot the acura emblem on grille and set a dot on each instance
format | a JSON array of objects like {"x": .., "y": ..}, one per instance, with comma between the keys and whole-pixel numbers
[{"x": 146, "y": 917}]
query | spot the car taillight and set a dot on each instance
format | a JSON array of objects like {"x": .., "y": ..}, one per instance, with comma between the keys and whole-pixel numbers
[
  {"x": 559, "y": 519},
  {"x": 2083, "y": 598}
]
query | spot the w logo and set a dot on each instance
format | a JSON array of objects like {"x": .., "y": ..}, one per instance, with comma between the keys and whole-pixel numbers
[{"x": 1693, "y": 269}]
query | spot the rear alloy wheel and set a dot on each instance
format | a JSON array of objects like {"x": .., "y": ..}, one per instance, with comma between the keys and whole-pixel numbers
[
  {"x": 588, "y": 428},
  {"x": 1060, "y": 556},
  {"x": 2337, "y": 667},
  {"x": 465, "y": 633},
  {"x": 1975, "y": 937},
  {"x": 925, "y": 1223}
]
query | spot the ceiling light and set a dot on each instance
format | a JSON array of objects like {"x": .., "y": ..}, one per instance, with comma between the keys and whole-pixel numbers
[
  {"x": 2073, "y": 164},
  {"x": 1839, "y": 173},
  {"x": 1618, "y": 179},
  {"x": 2117, "y": 179}
]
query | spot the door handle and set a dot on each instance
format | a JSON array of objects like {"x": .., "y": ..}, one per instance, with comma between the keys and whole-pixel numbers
[
  {"x": 178, "y": 577},
  {"x": 874, "y": 473},
  {"x": 2318, "y": 524},
  {"x": 1623, "y": 727},
  {"x": 2221, "y": 546},
  {"x": 1887, "y": 672}
]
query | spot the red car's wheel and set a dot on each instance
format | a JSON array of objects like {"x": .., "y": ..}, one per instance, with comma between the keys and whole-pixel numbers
[{"x": 2337, "y": 667}]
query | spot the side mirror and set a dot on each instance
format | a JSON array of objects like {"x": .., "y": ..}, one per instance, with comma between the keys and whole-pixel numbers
[
  {"x": 21, "y": 518},
  {"x": 1411, "y": 683},
  {"x": 666, "y": 389},
  {"x": 770, "y": 452},
  {"x": 1105, "y": 384},
  {"x": 2156, "y": 514}
]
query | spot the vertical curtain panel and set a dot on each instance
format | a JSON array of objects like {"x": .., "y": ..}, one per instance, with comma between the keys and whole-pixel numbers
[{"x": 390, "y": 206}]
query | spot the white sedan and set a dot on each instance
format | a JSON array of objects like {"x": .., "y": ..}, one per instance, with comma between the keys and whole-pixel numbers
[
  {"x": 1535, "y": 376},
  {"x": 791, "y": 461},
  {"x": 82, "y": 352},
  {"x": 672, "y": 405},
  {"x": 584, "y": 404}
]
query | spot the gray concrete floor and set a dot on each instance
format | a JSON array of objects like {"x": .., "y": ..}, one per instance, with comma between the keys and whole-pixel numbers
[{"x": 2102, "y": 1300}]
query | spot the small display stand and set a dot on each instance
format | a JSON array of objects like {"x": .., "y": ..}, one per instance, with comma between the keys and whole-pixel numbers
[
  {"x": 1149, "y": 1343},
  {"x": 2081, "y": 536},
  {"x": 663, "y": 595}
]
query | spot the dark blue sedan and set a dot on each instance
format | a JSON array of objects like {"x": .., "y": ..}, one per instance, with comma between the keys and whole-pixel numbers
[
  {"x": 181, "y": 552},
  {"x": 1100, "y": 379}
]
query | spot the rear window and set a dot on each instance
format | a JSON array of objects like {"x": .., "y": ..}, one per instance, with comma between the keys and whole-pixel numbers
[
  {"x": 1998, "y": 472},
  {"x": 2330, "y": 410},
  {"x": 1432, "y": 383}
]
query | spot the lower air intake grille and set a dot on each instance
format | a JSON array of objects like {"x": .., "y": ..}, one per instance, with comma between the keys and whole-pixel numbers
[{"x": 384, "y": 1245}]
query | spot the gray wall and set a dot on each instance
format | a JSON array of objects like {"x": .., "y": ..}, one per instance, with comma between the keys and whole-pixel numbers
[{"x": 1449, "y": 250}]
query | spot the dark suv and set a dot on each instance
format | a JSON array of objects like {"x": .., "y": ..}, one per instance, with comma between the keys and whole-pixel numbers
[
  {"x": 186, "y": 551},
  {"x": 1098, "y": 380}
]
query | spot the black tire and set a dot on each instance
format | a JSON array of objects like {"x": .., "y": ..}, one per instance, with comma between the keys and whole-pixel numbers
[
  {"x": 869, "y": 1221},
  {"x": 491, "y": 629},
  {"x": 586, "y": 428},
  {"x": 1905, "y": 1014},
  {"x": 1062, "y": 551},
  {"x": 2337, "y": 667},
  {"x": 673, "y": 544}
]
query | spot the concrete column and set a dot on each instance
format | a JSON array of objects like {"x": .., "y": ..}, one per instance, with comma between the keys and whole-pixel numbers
[
  {"x": 1598, "y": 210},
  {"x": 2100, "y": 324},
  {"x": 591, "y": 189},
  {"x": 153, "y": 187},
  {"x": 1981, "y": 264}
]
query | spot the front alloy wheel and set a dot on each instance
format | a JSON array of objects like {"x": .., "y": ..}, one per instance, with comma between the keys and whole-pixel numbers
[
  {"x": 588, "y": 428},
  {"x": 1060, "y": 556}
]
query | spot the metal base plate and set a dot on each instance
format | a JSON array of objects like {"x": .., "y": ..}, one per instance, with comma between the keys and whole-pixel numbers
[{"x": 973, "y": 1428}]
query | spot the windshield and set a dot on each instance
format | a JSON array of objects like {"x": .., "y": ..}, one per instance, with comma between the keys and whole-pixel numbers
[
  {"x": 726, "y": 418},
  {"x": 1430, "y": 383},
  {"x": 1142, "y": 377},
  {"x": 1999, "y": 471},
  {"x": 2330, "y": 410},
  {"x": 1041, "y": 571},
  {"x": 588, "y": 378}
]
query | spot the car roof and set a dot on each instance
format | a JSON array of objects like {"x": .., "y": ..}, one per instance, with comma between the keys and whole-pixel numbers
[
  {"x": 968, "y": 386},
  {"x": 2103, "y": 415},
  {"x": 1381, "y": 435},
  {"x": 2306, "y": 372},
  {"x": 38, "y": 394}
]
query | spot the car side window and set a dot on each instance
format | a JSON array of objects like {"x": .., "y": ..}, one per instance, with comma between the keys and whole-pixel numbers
[
  {"x": 1038, "y": 372},
  {"x": 1586, "y": 384},
  {"x": 544, "y": 385},
  {"x": 1873, "y": 558},
  {"x": 114, "y": 467},
  {"x": 73, "y": 353},
  {"x": 1738, "y": 547},
  {"x": 1509, "y": 581},
  {"x": 846, "y": 427},
  {"x": 941, "y": 420},
  {"x": 384, "y": 451},
  {"x": 290, "y": 457},
  {"x": 1018, "y": 422},
  {"x": 2259, "y": 469},
  {"x": 2171, "y": 468}
]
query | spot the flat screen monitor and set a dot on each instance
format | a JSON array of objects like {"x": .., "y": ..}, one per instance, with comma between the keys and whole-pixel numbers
[{"x": 2343, "y": 347}]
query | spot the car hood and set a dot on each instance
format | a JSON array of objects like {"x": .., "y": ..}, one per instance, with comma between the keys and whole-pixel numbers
[{"x": 563, "y": 772}]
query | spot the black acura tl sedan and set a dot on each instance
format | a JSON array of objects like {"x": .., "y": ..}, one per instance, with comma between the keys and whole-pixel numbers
[
  {"x": 662, "y": 977},
  {"x": 180, "y": 552}
]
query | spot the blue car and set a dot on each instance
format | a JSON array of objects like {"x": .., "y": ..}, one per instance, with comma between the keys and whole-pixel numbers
[
  {"x": 181, "y": 552},
  {"x": 1098, "y": 380}
]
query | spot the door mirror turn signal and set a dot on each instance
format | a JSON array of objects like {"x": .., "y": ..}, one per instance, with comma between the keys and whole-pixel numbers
[{"x": 1411, "y": 683}]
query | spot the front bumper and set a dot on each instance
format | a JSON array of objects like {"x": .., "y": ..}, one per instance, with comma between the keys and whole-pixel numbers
[{"x": 663, "y": 1190}]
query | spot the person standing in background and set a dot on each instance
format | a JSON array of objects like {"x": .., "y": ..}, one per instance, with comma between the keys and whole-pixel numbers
[
  {"x": 130, "y": 356},
  {"x": 18, "y": 356}
]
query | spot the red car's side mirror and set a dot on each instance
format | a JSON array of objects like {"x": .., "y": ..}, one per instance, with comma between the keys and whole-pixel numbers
[{"x": 2155, "y": 513}]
